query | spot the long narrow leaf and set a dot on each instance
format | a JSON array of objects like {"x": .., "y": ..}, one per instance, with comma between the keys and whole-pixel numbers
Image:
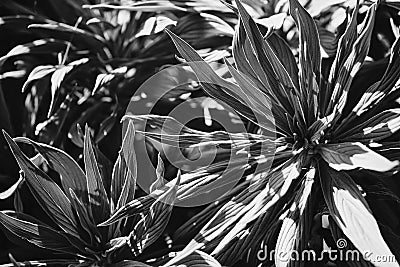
[
  {"x": 51, "y": 198},
  {"x": 39, "y": 234},
  {"x": 353, "y": 215},
  {"x": 97, "y": 194}
]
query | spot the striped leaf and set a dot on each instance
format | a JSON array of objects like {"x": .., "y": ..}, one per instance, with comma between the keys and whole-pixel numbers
[
  {"x": 97, "y": 195},
  {"x": 379, "y": 127},
  {"x": 295, "y": 224},
  {"x": 123, "y": 183},
  {"x": 40, "y": 46},
  {"x": 350, "y": 156},
  {"x": 35, "y": 232},
  {"x": 152, "y": 225},
  {"x": 50, "y": 197},
  {"x": 351, "y": 212},
  {"x": 352, "y": 64},
  {"x": 245, "y": 208},
  {"x": 71, "y": 174}
]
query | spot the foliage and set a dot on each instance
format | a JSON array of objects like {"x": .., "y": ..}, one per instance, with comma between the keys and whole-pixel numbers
[
  {"x": 95, "y": 60},
  {"x": 318, "y": 161},
  {"x": 84, "y": 201},
  {"x": 323, "y": 137}
]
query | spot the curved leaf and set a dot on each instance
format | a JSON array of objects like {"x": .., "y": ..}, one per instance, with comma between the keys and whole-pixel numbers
[
  {"x": 129, "y": 263},
  {"x": 97, "y": 194},
  {"x": 58, "y": 76},
  {"x": 38, "y": 73},
  {"x": 40, "y": 46},
  {"x": 123, "y": 183},
  {"x": 166, "y": 5},
  {"x": 352, "y": 64},
  {"x": 309, "y": 39},
  {"x": 151, "y": 226},
  {"x": 71, "y": 175},
  {"x": 295, "y": 224},
  {"x": 349, "y": 156},
  {"x": 50, "y": 197},
  {"x": 379, "y": 127},
  {"x": 31, "y": 230},
  {"x": 351, "y": 212},
  {"x": 64, "y": 31},
  {"x": 197, "y": 259},
  {"x": 7, "y": 193}
]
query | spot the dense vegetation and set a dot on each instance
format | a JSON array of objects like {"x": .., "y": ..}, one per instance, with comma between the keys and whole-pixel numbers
[{"x": 199, "y": 133}]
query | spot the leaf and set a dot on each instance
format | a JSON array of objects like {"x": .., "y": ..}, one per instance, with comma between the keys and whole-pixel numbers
[
  {"x": 338, "y": 234},
  {"x": 351, "y": 212},
  {"x": 349, "y": 156},
  {"x": 129, "y": 263},
  {"x": 255, "y": 98},
  {"x": 152, "y": 225},
  {"x": 310, "y": 52},
  {"x": 379, "y": 127},
  {"x": 153, "y": 25},
  {"x": 35, "y": 232},
  {"x": 273, "y": 71},
  {"x": 97, "y": 194},
  {"x": 189, "y": 138},
  {"x": 143, "y": 204},
  {"x": 14, "y": 262},
  {"x": 345, "y": 44},
  {"x": 273, "y": 22},
  {"x": 41, "y": 263},
  {"x": 376, "y": 93},
  {"x": 352, "y": 64},
  {"x": 51, "y": 131},
  {"x": 50, "y": 197},
  {"x": 64, "y": 31},
  {"x": 16, "y": 74},
  {"x": 40, "y": 46},
  {"x": 124, "y": 175},
  {"x": 285, "y": 55},
  {"x": 329, "y": 42},
  {"x": 199, "y": 29},
  {"x": 197, "y": 258},
  {"x": 293, "y": 225},
  {"x": 99, "y": 115},
  {"x": 166, "y": 5},
  {"x": 18, "y": 205},
  {"x": 272, "y": 76},
  {"x": 71, "y": 175},
  {"x": 58, "y": 76},
  {"x": 85, "y": 219},
  {"x": 104, "y": 78},
  {"x": 38, "y": 73},
  {"x": 245, "y": 208},
  {"x": 214, "y": 85},
  {"x": 7, "y": 193},
  {"x": 160, "y": 182},
  {"x": 18, "y": 22}
]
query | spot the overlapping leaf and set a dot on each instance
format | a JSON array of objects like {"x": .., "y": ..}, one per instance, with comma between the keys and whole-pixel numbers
[
  {"x": 97, "y": 194},
  {"x": 123, "y": 181},
  {"x": 51, "y": 198},
  {"x": 352, "y": 213},
  {"x": 35, "y": 232},
  {"x": 71, "y": 175}
]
